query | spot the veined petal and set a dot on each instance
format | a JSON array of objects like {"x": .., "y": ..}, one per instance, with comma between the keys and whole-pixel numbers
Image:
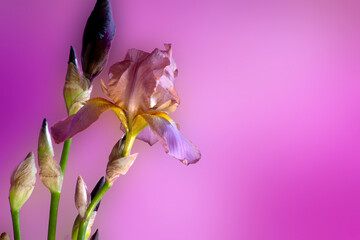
[
  {"x": 143, "y": 131},
  {"x": 87, "y": 115},
  {"x": 143, "y": 80},
  {"x": 174, "y": 142},
  {"x": 147, "y": 136}
]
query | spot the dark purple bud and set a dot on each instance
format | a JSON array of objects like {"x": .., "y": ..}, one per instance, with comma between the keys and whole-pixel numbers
[
  {"x": 98, "y": 34},
  {"x": 99, "y": 185},
  {"x": 96, "y": 235},
  {"x": 72, "y": 56}
]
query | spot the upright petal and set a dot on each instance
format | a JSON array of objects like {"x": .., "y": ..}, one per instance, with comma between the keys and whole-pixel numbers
[
  {"x": 174, "y": 142},
  {"x": 98, "y": 34},
  {"x": 87, "y": 115},
  {"x": 143, "y": 80}
]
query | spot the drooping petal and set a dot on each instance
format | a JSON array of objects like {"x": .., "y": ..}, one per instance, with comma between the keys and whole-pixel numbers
[
  {"x": 87, "y": 115},
  {"x": 143, "y": 80},
  {"x": 174, "y": 142},
  {"x": 148, "y": 136},
  {"x": 98, "y": 34}
]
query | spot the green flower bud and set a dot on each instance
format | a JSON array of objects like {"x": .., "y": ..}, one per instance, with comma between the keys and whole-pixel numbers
[
  {"x": 50, "y": 174},
  {"x": 22, "y": 182},
  {"x": 77, "y": 88}
]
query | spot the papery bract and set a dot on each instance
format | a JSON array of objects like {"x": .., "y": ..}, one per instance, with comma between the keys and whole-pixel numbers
[
  {"x": 22, "y": 182},
  {"x": 77, "y": 88},
  {"x": 50, "y": 173}
]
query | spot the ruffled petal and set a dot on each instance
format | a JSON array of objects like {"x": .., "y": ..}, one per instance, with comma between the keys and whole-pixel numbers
[
  {"x": 174, "y": 142},
  {"x": 87, "y": 115},
  {"x": 143, "y": 80}
]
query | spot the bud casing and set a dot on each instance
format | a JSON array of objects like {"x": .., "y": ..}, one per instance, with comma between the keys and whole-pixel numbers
[
  {"x": 82, "y": 197},
  {"x": 77, "y": 88},
  {"x": 22, "y": 182},
  {"x": 50, "y": 173},
  {"x": 4, "y": 236},
  {"x": 118, "y": 165}
]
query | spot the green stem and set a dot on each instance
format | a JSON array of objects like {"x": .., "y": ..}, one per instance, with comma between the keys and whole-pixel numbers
[
  {"x": 129, "y": 140},
  {"x": 16, "y": 224},
  {"x": 65, "y": 155},
  {"x": 55, "y": 197}
]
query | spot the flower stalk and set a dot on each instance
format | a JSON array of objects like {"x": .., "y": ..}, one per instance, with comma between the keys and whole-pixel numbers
[
  {"x": 16, "y": 224},
  {"x": 129, "y": 140},
  {"x": 54, "y": 205}
]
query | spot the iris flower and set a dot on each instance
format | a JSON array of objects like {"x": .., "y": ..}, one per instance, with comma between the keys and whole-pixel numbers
[{"x": 142, "y": 94}]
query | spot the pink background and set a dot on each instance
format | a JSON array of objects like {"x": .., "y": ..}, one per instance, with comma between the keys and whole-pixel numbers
[{"x": 269, "y": 93}]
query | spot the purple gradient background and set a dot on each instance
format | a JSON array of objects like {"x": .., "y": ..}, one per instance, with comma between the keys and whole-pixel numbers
[{"x": 270, "y": 95}]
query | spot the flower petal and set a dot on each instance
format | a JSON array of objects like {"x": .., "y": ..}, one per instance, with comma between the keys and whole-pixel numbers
[
  {"x": 87, "y": 115},
  {"x": 174, "y": 142},
  {"x": 143, "y": 80},
  {"x": 147, "y": 136}
]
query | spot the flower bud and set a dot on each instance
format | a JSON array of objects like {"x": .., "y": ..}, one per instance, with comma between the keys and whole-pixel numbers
[
  {"x": 82, "y": 197},
  {"x": 93, "y": 193},
  {"x": 77, "y": 88},
  {"x": 4, "y": 236},
  {"x": 22, "y": 182},
  {"x": 98, "y": 34},
  {"x": 50, "y": 173},
  {"x": 75, "y": 229},
  {"x": 118, "y": 165},
  {"x": 96, "y": 235}
]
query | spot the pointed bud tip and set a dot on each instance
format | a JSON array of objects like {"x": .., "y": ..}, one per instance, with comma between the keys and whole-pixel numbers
[
  {"x": 44, "y": 123},
  {"x": 72, "y": 56},
  {"x": 30, "y": 156},
  {"x": 96, "y": 235}
]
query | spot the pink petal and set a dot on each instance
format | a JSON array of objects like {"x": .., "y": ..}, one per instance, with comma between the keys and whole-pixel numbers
[
  {"x": 134, "y": 81},
  {"x": 78, "y": 122},
  {"x": 147, "y": 136},
  {"x": 174, "y": 142}
]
